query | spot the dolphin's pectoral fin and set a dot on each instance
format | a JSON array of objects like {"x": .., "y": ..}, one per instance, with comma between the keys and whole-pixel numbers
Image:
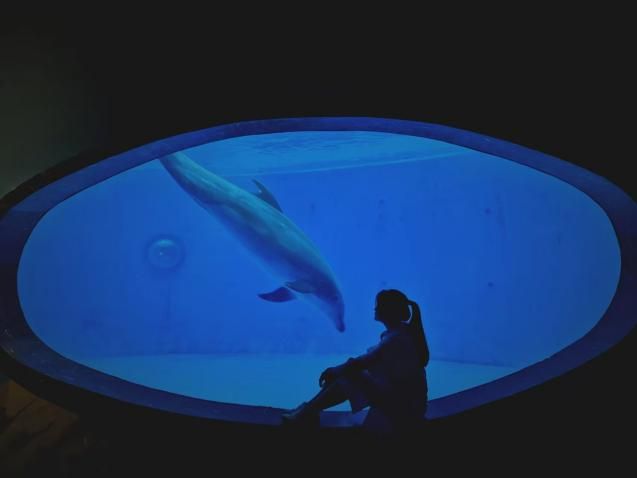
[
  {"x": 266, "y": 195},
  {"x": 301, "y": 286},
  {"x": 280, "y": 295}
]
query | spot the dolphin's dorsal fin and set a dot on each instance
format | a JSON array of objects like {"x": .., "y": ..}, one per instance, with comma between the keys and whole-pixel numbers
[
  {"x": 266, "y": 195},
  {"x": 280, "y": 295},
  {"x": 301, "y": 286}
]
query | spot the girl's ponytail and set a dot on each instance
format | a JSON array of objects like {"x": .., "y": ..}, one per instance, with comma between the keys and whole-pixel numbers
[{"x": 418, "y": 333}]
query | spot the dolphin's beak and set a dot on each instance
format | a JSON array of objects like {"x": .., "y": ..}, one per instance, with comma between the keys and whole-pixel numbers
[{"x": 339, "y": 321}]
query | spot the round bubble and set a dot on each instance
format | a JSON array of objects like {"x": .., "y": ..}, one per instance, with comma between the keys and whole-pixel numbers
[{"x": 165, "y": 253}]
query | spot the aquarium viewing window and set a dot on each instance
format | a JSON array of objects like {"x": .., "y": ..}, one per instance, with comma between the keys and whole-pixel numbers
[{"x": 218, "y": 272}]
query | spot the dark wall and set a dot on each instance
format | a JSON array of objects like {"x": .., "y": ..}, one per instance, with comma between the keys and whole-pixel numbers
[
  {"x": 558, "y": 83},
  {"x": 72, "y": 83}
]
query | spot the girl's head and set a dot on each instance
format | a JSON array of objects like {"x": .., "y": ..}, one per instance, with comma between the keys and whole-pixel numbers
[{"x": 392, "y": 307}]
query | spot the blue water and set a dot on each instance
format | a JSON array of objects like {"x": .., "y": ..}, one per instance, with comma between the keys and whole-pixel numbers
[{"x": 134, "y": 278}]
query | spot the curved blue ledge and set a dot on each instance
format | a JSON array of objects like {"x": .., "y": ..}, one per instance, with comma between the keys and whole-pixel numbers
[{"x": 19, "y": 344}]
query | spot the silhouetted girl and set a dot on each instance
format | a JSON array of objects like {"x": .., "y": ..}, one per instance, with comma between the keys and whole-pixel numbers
[{"x": 390, "y": 378}]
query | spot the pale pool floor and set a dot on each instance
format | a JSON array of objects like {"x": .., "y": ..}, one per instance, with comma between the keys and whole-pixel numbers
[{"x": 281, "y": 381}]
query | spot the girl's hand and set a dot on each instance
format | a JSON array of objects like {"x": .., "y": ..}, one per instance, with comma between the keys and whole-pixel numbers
[{"x": 328, "y": 376}]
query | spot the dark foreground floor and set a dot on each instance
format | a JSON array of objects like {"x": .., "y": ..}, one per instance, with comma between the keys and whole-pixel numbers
[{"x": 39, "y": 438}]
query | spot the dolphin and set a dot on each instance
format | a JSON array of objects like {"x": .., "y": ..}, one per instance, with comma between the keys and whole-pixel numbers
[{"x": 258, "y": 223}]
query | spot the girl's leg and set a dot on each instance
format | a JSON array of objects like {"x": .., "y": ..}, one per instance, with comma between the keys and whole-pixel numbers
[{"x": 327, "y": 397}]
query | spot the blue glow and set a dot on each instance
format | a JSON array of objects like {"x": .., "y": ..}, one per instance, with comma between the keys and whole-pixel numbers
[{"x": 134, "y": 278}]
